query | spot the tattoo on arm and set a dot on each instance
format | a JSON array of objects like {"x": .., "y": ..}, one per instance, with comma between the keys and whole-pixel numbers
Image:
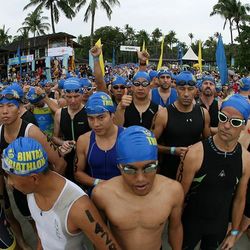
[
  {"x": 53, "y": 145},
  {"x": 76, "y": 162},
  {"x": 100, "y": 232},
  {"x": 181, "y": 168}
]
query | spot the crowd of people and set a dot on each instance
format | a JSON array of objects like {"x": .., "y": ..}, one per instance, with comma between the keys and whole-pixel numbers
[{"x": 120, "y": 157}]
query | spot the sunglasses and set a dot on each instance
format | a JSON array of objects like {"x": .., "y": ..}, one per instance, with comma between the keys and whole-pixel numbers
[
  {"x": 72, "y": 90},
  {"x": 119, "y": 87},
  {"x": 235, "y": 122},
  {"x": 143, "y": 84},
  {"x": 165, "y": 76},
  {"x": 9, "y": 97},
  {"x": 87, "y": 89},
  {"x": 183, "y": 83},
  {"x": 131, "y": 170}
]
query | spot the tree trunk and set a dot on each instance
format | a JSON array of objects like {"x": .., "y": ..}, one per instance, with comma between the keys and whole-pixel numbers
[
  {"x": 239, "y": 33},
  {"x": 231, "y": 31},
  {"x": 92, "y": 29},
  {"x": 52, "y": 18}
]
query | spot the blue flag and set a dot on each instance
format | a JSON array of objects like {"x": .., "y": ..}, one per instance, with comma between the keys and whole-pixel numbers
[
  {"x": 221, "y": 61},
  {"x": 180, "y": 54},
  {"x": 19, "y": 59}
]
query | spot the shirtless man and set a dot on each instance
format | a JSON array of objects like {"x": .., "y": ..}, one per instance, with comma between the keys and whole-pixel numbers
[{"x": 143, "y": 200}]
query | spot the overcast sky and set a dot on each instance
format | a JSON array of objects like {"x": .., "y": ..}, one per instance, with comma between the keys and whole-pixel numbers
[{"x": 182, "y": 16}]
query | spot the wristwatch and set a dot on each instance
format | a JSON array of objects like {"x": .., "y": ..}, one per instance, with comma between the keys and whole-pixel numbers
[
  {"x": 43, "y": 95},
  {"x": 234, "y": 232}
]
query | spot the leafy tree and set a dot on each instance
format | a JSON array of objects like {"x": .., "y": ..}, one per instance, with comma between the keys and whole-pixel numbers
[
  {"x": 191, "y": 36},
  {"x": 4, "y": 36}
]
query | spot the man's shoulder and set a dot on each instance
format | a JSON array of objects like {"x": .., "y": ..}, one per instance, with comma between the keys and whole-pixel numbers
[{"x": 165, "y": 183}]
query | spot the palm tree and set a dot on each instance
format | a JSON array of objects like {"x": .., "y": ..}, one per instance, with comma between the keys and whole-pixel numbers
[
  {"x": 35, "y": 24},
  {"x": 224, "y": 9},
  {"x": 91, "y": 10},
  {"x": 4, "y": 36},
  {"x": 54, "y": 6},
  {"x": 129, "y": 34},
  {"x": 191, "y": 36},
  {"x": 24, "y": 34}
]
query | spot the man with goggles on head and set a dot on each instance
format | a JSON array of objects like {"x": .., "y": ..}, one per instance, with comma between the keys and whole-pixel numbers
[
  {"x": 164, "y": 95},
  {"x": 70, "y": 122},
  {"x": 182, "y": 124},
  {"x": 208, "y": 101},
  {"x": 87, "y": 88},
  {"x": 214, "y": 176},
  {"x": 143, "y": 200},
  {"x": 13, "y": 127}
]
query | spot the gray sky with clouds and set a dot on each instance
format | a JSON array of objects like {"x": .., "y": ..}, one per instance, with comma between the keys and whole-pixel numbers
[{"x": 182, "y": 16}]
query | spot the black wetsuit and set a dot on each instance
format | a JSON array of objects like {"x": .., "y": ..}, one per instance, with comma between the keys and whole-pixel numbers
[
  {"x": 133, "y": 117},
  {"x": 19, "y": 197},
  {"x": 213, "y": 111},
  {"x": 247, "y": 206},
  {"x": 183, "y": 129},
  {"x": 208, "y": 202},
  {"x": 29, "y": 117},
  {"x": 71, "y": 130}
]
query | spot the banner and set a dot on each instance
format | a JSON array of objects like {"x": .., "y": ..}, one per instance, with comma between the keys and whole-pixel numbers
[
  {"x": 130, "y": 48},
  {"x": 200, "y": 57},
  {"x": 160, "y": 59}
]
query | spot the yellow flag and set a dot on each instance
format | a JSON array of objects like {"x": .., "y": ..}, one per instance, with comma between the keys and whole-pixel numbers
[
  {"x": 200, "y": 57},
  {"x": 144, "y": 48},
  {"x": 99, "y": 44},
  {"x": 160, "y": 59}
]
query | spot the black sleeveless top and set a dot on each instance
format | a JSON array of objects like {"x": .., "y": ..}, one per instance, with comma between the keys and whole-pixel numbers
[
  {"x": 183, "y": 129},
  {"x": 72, "y": 129},
  {"x": 132, "y": 116},
  {"x": 213, "y": 112},
  {"x": 211, "y": 193}
]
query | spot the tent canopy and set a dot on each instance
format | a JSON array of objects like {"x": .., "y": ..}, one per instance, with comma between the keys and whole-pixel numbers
[{"x": 190, "y": 55}]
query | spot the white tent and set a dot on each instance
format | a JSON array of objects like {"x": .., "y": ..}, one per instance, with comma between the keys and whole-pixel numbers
[{"x": 190, "y": 55}]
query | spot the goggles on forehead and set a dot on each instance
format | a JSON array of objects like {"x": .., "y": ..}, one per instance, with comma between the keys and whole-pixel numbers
[
  {"x": 235, "y": 122},
  {"x": 118, "y": 86},
  {"x": 9, "y": 96},
  {"x": 131, "y": 170},
  {"x": 183, "y": 83},
  {"x": 143, "y": 84},
  {"x": 73, "y": 90},
  {"x": 87, "y": 89}
]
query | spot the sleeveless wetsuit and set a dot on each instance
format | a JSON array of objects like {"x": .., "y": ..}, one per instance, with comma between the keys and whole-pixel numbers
[
  {"x": 208, "y": 202},
  {"x": 71, "y": 129},
  {"x": 133, "y": 117},
  {"x": 183, "y": 129},
  {"x": 156, "y": 98},
  {"x": 19, "y": 197}
]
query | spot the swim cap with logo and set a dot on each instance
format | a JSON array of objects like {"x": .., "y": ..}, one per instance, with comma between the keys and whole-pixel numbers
[
  {"x": 136, "y": 144},
  {"x": 98, "y": 103},
  {"x": 24, "y": 156}
]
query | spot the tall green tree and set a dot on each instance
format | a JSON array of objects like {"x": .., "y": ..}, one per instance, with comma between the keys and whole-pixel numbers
[
  {"x": 23, "y": 34},
  {"x": 129, "y": 34},
  {"x": 224, "y": 9},
  {"x": 55, "y": 6},
  {"x": 191, "y": 36},
  {"x": 4, "y": 36},
  {"x": 92, "y": 8},
  {"x": 35, "y": 23}
]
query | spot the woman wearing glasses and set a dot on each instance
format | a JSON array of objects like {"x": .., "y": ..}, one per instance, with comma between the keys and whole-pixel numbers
[{"x": 214, "y": 175}]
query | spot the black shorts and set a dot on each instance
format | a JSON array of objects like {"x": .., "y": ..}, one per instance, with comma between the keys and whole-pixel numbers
[{"x": 7, "y": 239}]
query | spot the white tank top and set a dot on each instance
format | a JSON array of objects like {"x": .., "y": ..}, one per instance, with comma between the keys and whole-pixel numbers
[{"x": 52, "y": 225}]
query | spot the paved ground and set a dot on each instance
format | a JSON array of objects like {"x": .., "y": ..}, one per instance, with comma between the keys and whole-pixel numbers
[{"x": 243, "y": 244}]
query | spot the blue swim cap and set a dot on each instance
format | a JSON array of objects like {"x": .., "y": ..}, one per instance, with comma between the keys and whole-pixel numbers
[
  {"x": 32, "y": 97},
  {"x": 18, "y": 89},
  {"x": 85, "y": 82},
  {"x": 153, "y": 74},
  {"x": 209, "y": 78},
  {"x": 24, "y": 156},
  {"x": 239, "y": 103},
  {"x": 98, "y": 103},
  {"x": 118, "y": 80},
  {"x": 141, "y": 74},
  {"x": 245, "y": 84},
  {"x": 136, "y": 144},
  {"x": 185, "y": 76},
  {"x": 164, "y": 72},
  {"x": 72, "y": 84},
  {"x": 61, "y": 83},
  {"x": 10, "y": 90}
]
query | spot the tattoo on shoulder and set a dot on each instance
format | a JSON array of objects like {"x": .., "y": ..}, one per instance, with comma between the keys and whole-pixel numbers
[{"x": 101, "y": 232}]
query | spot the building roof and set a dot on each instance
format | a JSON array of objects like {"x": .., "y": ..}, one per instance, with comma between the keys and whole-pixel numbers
[
  {"x": 190, "y": 55},
  {"x": 39, "y": 41}
]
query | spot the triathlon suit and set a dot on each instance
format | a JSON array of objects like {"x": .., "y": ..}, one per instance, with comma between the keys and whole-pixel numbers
[
  {"x": 213, "y": 111},
  {"x": 52, "y": 224},
  {"x": 133, "y": 117},
  {"x": 156, "y": 98},
  {"x": 29, "y": 117},
  {"x": 182, "y": 130},
  {"x": 208, "y": 203},
  {"x": 247, "y": 206},
  {"x": 19, "y": 197},
  {"x": 7, "y": 239},
  {"x": 101, "y": 164},
  {"x": 71, "y": 129}
]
